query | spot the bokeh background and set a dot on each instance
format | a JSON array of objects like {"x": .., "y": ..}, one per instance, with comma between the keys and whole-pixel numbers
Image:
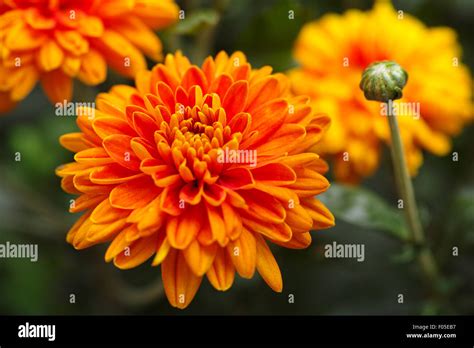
[{"x": 33, "y": 209}]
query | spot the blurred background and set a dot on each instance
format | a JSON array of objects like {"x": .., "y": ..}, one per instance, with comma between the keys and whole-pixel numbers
[{"x": 33, "y": 209}]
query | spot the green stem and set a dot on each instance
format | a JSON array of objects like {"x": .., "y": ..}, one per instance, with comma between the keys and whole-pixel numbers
[
  {"x": 425, "y": 256},
  {"x": 206, "y": 38}
]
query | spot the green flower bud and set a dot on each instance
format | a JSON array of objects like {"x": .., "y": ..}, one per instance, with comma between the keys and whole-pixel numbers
[{"x": 383, "y": 81}]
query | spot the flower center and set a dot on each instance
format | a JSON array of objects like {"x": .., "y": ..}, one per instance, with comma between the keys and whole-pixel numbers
[{"x": 202, "y": 127}]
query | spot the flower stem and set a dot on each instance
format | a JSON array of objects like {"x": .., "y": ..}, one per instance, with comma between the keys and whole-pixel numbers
[{"x": 405, "y": 187}]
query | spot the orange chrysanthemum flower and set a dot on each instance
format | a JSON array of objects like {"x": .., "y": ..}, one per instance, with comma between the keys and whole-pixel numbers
[
  {"x": 199, "y": 167},
  {"x": 53, "y": 41},
  {"x": 436, "y": 104}
]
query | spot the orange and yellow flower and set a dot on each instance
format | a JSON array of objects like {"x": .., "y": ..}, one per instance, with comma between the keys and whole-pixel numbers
[
  {"x": 153, "y": 179},
  {"x": 334, "y": 51},
  {"x": 54, "y": 41}
]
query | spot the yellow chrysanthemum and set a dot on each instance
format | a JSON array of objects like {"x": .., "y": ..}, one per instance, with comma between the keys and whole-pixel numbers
[
  {"x": 53, "y": 41},
  {"x": 165, "y": 169},
  {"x": 436, "y": 104}
]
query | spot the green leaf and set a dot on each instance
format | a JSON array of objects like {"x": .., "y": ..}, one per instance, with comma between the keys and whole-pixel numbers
[
  {"x": 196, "y": 21},
  {"x": 364, "y": 208}
]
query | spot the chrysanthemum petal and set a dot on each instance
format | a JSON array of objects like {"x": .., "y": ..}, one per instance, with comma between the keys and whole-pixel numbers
[
  {"x": 71, "y": 65},
  {"x": 120, "y": 53},
  {"x": 91, "y": 26},
  {"x": 73, "y": 230},
  {"x": 267, "y": 265},
  {"x": 85, "y": 201},
  {"x": 93, "y": 68},
  {"x": 233, "y": 221},
  {"x": 117, "y": 246},
  {"x": 181, "y": 231},
  {"x": 270, "y": 116},
  {"x": 133, "y": 194},
  {"x": 23, "y": 38},
  {"x": 221, "y": 85},
  {"x": 57, "y": 86},
  {"x": 298, "y": 241},
  {"x": 214, "y": 195},
  {"x": 281, "y": 232},
  {"x": 113, "y": 174},
  {"x": 284, "y": 194},
  {"x": 180, "y": 283},
  {"x": 162, "y": 249},
  {"x": 309, "y": 183},
  {"x": 153, "y": 217},
  {"x": 140, "y": 35},
  {"x": 200, "y": 257},
  {"x": 191, "y": 193},
  {"x": 106, "y": 126},
  {"x": 264, "y": 207},
  {"x": 262, "y": 91},
  {"x": 222, "y": 272},
  {"x": 67, "y": 184},
  {"x": 72, "y": 169},
  {"x": 194, "y": 77},
  {"x": 114, "y": 103},
  {"x": 72, "y": 41},
  {"x": 216, "y": 223},
  {"x": 25, "y": 83},
  {"x": 50, "y": 56},
  {"x": 83, "y": 183},
  {"x": 100, "y": 233},
  {"x": 274, "y": 174},
  {"x": 298, "y": 218},
  {"x": 156, "y": 14},
  {"x": 74, "y": 142},
  {"x": 37, "y": 20},
  {"x": 243, "y": 253},
  {"x": 140, "y": 251},
  {"x": 288, "y": 138},
  {"x": 144, "y": 125},
  {"x": 236, "y": 178},
  {"x": 235, "y": 98},
  {"x": 79, "y": 240},
  {"x": 105, "y": 212},
  {"x": 170, "y": 201},
  {"x": 118, "y": 147},
  {"x": 322, "y": 217},
  {"x": 95, "y": 156}
]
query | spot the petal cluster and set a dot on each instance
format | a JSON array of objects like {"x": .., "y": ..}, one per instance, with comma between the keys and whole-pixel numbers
[
  {"x": 436, "y": 103},
  {"x": 54, "y": 41},
  {"x": 164, "y": 170}
]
